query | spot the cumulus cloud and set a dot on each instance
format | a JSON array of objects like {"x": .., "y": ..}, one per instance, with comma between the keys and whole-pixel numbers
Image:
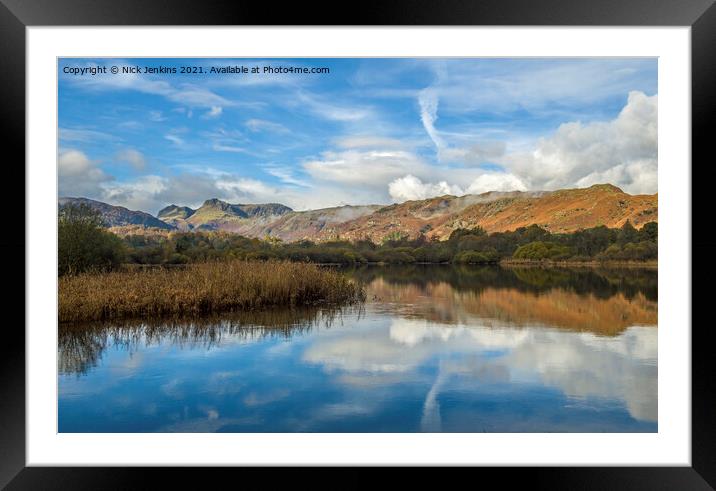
[
  {"x": 78, "y": 175},
  {"x": 133, "y": 157},
  {"x": 496, "y": 181},
  {"x": 411, "y": 188},
  {"x": 401, "y": 175},
  {"x": 622, "y": 151},
  {"x": 137, "y": 194}
]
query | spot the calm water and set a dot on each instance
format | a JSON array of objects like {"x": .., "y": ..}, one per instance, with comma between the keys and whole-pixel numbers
[{"x": 435, "y": 348}]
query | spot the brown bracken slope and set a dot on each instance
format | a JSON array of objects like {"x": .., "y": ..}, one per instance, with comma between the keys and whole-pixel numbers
[{"x": 565, "y": 210}]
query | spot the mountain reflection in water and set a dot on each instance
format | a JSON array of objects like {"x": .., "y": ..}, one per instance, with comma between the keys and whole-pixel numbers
[{"x": 435, "y": 348}]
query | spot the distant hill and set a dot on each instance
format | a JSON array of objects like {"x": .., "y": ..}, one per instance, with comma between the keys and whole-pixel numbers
[
  {"x": 316, "y": 224},
  {"x": 565, "y": 210},
  {"x": 215, "y": 214},
  {"x": 115, "y": 216}
]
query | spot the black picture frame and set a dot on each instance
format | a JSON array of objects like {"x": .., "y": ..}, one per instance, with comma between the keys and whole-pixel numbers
[{"x": 16, "y": 15}]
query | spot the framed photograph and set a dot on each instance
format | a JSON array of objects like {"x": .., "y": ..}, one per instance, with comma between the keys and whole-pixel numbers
[{"x": 429, "y": 238}]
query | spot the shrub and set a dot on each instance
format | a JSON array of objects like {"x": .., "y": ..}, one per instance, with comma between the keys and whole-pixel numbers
[
  {"x": 83, "y": 244},
  {"x": 542, "y": 250}
]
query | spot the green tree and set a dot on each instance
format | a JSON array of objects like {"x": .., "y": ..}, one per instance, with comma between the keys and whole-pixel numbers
[
  {"x": 542, "y": 250},
  {"x": 83, "y": 244},
  {"x": 627, "y": 233},
  {"x": 650, "y": 231}
]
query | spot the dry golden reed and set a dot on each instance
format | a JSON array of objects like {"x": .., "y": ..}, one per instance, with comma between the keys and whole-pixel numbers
[{"x": 202, "y": 288}]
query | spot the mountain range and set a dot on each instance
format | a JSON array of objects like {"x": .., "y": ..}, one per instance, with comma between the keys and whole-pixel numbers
[{"x": 564, "y": 210}]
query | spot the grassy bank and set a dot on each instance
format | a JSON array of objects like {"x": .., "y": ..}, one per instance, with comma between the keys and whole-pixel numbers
[{"x": 201, "y": 289}]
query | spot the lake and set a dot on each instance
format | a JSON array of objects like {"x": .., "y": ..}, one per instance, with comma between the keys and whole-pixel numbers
[{"x": 434, "y": 349}]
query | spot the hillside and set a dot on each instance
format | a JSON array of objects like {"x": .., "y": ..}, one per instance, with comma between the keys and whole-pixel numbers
[
  {"x": 558, "y": 211},
  {"x": 312, "y": 224},
  {"x": 565, "y": 210},
  {"x": 175, "y": 215},
  {"x": 117, "y": 216},
  {"x": 250, "y": 220}
]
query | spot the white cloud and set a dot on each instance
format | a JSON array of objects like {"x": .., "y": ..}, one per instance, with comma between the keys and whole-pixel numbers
[
  {"x": 242, "y": 186},
  {"x": 137, "y": 194},
  {"x": 175, "y": 139},
  {"x": 475, "y": 152},
  {"x": 193, "y": 96},
  {"x": 428, "y": 101},
  {"x": 373, "y": 168},
  {"x": 496, "y": 181},
  {"x": 410, "y": 188},
  {"x": 285, "y": 174},
  {"x": 329, "y": 110},
  {"x": 156, "y": 116},
  {"x": 622, "y": 151},
  {"x": 84, "y": 136},
  {"x": 78, "y": 176},
  {"x": 133, "y": 157},
  {"x": 404, "y": 175},
  {"x": 641, "y": 176},
  {"x": 214, "y": 112},
  {"x": 258, "y": 125},
  {"x": 218, "y": 147}
]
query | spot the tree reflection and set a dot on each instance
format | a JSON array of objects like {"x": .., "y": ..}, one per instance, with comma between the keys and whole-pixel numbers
[{"x": 81, "y": 345}]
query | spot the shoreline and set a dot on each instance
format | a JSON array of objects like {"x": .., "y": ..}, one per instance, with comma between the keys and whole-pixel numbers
[
  {"x": 504, "y": 263},
  {"x": 521, "y": 263},
  {"x": 580, "y": 264}
]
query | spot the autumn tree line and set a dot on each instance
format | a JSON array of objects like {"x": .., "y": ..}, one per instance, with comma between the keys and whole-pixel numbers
[{"x": 84, "y": 244}]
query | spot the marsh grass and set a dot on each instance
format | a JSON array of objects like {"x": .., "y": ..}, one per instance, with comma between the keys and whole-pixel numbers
[{"x": 200, "y": 289}]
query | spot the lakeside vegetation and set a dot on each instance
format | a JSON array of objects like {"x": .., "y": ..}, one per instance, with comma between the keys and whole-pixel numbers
[
  {"x": 199, "y": 289},
  {"x": 226, "y": 272},
  {"x": 464, "y": 246},
  {"x": 85, "y": 246}
]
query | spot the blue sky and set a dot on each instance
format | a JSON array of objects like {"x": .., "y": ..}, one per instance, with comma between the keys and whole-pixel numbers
[{"x": 369, "y": 131}]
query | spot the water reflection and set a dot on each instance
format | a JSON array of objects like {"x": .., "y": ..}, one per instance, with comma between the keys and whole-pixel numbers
[
  {"x": 604, "y": 302},
  {"x": 434, "y": 349},
  {"x": 81, "y": 345}
]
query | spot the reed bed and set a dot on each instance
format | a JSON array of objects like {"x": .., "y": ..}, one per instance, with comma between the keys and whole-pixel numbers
[{"x": 200, "y": 289}]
